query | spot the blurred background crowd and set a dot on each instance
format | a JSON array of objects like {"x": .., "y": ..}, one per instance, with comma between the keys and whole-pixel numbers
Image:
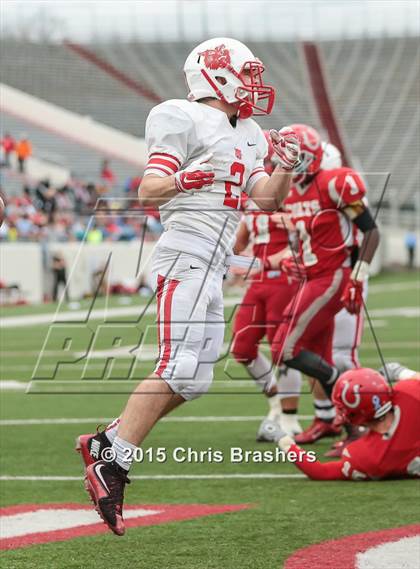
[{"x": 43, "y": 212}]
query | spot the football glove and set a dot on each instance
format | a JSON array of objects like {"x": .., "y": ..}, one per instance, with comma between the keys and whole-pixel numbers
[
  {"x": 197, "y": 177},
  {"x": 352, "y": 297},
  {"x": 395, "y": 372},
  {"x": 286, "y": 145},
  {"x": 293, "y": 267}
]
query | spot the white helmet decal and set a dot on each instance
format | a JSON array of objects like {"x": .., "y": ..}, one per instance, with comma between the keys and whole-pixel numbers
[{"x": 356, "y": 394}]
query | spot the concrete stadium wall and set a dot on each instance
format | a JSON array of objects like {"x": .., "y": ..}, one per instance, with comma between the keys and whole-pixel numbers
[
  {"x": 83, "y": 130},
  {"x": 26, "y": 264}
]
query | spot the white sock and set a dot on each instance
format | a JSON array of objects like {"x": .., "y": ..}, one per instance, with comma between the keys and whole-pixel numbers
[
  {"x": 111, "y": 430},
  {"x": 289, "y": 383},
  {"x": 123, "y": 457},
  {"x": 261, "y": 370},
  {"x": 324, "y": 409},
  {"x": 290, "y": 424},
  {"x": 274, "y": 403}
]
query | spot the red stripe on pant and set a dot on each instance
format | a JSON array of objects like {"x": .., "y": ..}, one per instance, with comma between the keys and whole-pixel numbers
[
  {"x": 113, "y": 424},
  {"x": 167, "y": 309}
]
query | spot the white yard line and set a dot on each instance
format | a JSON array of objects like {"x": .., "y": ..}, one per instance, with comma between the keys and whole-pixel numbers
[
  {"x": 96, "y": 314},
  {"x": 149, "y": 354},
  {"x": 106, "y": 420},
  {"x": 393, "y": 287},
  {"x": 7, "y": 478}
]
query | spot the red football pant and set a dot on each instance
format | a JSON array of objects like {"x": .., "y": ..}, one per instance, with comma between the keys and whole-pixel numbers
[
  {"x": 260, "y": 314},
  {"x": 309, "y": 321}
]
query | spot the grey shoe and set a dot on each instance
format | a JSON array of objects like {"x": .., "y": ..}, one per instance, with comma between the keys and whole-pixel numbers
[{"x": 269, "y": 432}]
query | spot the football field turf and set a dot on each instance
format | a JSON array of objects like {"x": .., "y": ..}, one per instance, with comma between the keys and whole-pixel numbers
[{"x": 285, "y": 511}]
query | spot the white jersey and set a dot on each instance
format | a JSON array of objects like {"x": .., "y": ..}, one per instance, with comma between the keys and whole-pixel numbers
[{"x": 179, "y": 132}]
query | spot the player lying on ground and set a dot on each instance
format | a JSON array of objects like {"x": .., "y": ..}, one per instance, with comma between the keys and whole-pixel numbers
[
  {"x": 262, "y": 307},
  {"x": 324, "y": 206},
  {"x": 391, "y": 446},
  {"x": 203, "y": 152}
]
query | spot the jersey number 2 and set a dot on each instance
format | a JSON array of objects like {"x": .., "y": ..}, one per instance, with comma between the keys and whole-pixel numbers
[{"x": 231, "y": 200}]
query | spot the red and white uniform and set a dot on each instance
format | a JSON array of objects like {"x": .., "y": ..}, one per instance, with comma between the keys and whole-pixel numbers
[
  {"x": 270, "y": 291},
  {"x": 375, "y": 456},
  {"x": 179, "y": 132},
  {"x": 200, "y": 229},
  {"x": 325, "y": 233},
  {"x": 348, "y": 328}
]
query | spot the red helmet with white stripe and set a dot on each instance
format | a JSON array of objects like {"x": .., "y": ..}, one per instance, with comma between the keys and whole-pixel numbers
[
  {"x": 311, "y": 151},
  {"x": 362, "y": 395},
  {"x": 226, "y": 69}
]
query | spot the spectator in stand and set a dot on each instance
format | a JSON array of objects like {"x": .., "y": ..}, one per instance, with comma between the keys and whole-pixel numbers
[
  {"x": 95, "y": 235},
  {"x": 59, "y": 275},
  {"x": 410, "y": 245},
  {"x": 131, "y": 186},
  {"x": 25, "y": 228},
  {"x": 107, "y": 175},
  {"x": 23, "y": 152},
  {"x": 8, "y": 145}
]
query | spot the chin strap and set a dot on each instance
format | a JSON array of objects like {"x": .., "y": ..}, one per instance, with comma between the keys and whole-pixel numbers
[{"x": 245, "y": 110}]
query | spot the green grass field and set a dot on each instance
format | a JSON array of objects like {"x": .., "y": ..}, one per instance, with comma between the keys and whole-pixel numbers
[{"x": 285, "y": 514}]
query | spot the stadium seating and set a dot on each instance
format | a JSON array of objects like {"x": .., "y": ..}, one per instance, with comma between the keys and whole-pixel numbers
[
  {"x": 83, "y": 163},
  {"x": 373, "y": 85},
  {"x": 375, "y": 88}
]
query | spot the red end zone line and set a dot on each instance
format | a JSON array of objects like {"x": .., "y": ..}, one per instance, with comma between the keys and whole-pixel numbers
[
  {"x": 342, "y": 552},
  {"x": 171, "y": 513},
  {"x": 322, "y": 97}
]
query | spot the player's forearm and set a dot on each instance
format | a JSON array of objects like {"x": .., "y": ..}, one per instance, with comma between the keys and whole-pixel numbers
[
  {"x": 270, "y": 193},
  {"x": 316, "y": 470},
  {"x": 369, "y": 245},
  {"x": 156, "y": 191}
]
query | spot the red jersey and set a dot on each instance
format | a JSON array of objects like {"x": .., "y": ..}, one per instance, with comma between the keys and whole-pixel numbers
[
  {"x": 395, "y": 454},
  {"x": 325, "y": 231},
  {"x": 267, "y": 238}
]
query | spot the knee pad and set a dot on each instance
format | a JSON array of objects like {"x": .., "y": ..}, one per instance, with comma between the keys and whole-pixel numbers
[{"x": 189, "y": 378}]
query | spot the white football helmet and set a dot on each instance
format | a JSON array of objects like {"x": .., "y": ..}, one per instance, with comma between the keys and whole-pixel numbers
[
  {"x": 226, "y": 69},
  {"x": 331, "y": 157}
]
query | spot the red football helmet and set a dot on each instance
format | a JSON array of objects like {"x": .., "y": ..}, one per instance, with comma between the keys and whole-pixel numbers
[
  {"x": 362, "y": 395},
  {"x": 311, "y": 151}
]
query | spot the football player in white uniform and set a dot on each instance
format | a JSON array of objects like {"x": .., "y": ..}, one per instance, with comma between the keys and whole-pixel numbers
[{"x": 203, "y": 153}]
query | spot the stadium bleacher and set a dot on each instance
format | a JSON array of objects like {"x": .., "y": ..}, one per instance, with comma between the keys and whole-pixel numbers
[
  {"x": 82, "y": 162},
  {"x": 382, "y": 136},
  {"x": 379, "y": 110}
]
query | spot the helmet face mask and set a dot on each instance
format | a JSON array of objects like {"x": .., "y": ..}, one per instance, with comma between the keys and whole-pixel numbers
[{"x": 226, "y": 69}]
